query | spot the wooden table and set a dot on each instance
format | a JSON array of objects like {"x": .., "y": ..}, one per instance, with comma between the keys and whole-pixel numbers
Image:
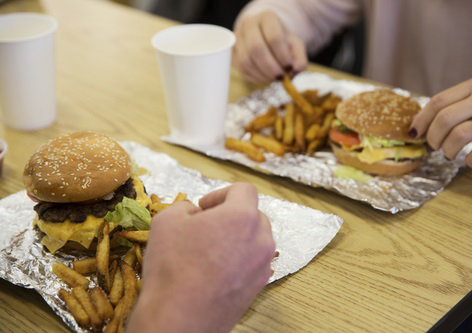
[{"x": 381, "y": 273}]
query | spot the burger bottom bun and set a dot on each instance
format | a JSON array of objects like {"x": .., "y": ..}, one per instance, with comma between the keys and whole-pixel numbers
[{"x": 384, "y": 167}]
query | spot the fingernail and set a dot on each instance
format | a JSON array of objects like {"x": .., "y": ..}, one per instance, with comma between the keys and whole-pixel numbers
[
  {"x": 412, "y": 133},
  {"x": 279, "y": 77},
  {"x": 288, "y": 68}
]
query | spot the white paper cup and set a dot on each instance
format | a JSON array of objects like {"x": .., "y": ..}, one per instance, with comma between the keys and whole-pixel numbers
[
  {"x": 27, "y": 70},
  {"x": 195, "y": 62}
]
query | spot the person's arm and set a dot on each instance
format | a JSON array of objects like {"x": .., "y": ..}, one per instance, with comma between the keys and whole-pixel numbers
[
  {"x": 272, "y": 35},
  {"x": 447, "y": 121},
  {"x": 204, "y": 265}
]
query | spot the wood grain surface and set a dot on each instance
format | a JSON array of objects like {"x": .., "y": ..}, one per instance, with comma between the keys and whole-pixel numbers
[{"x": 381, "y": 273}]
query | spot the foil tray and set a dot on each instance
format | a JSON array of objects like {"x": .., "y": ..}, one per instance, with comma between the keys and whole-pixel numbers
[
  {"x": 300, "y": 233},
  {"x": 392, "y": 193}
]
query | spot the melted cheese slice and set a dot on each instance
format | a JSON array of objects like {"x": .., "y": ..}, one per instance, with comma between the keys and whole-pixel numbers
[
  {"x": 372, "y": 155},
  {"x": 57, "y": 234}
]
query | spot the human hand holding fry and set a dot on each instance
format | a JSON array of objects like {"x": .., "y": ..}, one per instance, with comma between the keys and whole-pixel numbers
[{"x": 230, "y": 227}]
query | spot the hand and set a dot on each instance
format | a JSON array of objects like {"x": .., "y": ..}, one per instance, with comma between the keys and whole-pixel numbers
[
  {"x": 265, "y": 50},
  {"x": 204, "y": 265},
  {"x": 447, "y": 121}
]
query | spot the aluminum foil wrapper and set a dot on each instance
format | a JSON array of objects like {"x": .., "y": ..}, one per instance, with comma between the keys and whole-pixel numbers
[
  {"x": 300, "y": 233},
  {"x": 392, "y": 193}
]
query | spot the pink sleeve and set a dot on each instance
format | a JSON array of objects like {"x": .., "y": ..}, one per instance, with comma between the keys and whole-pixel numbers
[{"x": 314, "y": 21}]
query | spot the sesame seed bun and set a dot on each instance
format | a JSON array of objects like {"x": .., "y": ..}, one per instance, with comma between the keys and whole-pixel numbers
[
  {"x": 76, "y": 167},
  {"x": 383, "y": 167},
  {"x": 381, "y": 113}
]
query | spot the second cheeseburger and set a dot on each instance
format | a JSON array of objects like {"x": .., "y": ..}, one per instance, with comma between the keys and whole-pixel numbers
[
  {"x": 76, "y": 180},
  {"x": 371, "y": 133}
]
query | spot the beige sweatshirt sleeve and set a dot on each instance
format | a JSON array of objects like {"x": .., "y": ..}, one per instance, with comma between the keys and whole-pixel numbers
[{"x": 314, "y": 21}]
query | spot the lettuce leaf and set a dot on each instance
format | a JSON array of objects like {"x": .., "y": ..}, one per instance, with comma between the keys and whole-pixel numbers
[
  {"x": 130, "y": 214},
  {"x": 376, "y": 142}
]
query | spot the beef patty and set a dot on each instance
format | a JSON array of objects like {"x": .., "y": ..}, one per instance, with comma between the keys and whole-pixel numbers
[{"x": 77, "y": 212}]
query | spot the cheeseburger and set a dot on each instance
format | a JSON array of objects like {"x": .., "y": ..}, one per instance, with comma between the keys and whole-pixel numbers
[
  {"x": 371, "y": 133},
  {"x": 80, "y": 180}
]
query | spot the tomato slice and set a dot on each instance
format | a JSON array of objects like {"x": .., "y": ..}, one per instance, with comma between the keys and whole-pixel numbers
[{"x": 344, "y": 138}]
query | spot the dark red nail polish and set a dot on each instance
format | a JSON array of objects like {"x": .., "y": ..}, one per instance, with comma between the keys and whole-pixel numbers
[
  {"x": 288, "y": 68},
  {"x": 279, "y": 77},
  {"x": 412, "y": 133}
]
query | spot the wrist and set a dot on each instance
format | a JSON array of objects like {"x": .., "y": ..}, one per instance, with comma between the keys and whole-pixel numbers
[{"x": 175, "y": 310}]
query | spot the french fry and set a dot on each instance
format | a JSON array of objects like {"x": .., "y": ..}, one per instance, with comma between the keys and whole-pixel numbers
[
  {"x": 289, "y": 124},
  {"x": 330, "y": 102},
  {"x": 268, "y": 144},
  {"x": 312, "y": 132},
  {"x": 112, "y": 326},
  {"x": 299, "y": 131},
  {"x": 279, "y": 128},
  {"x": 180, "y": 197},
  {"x": 101, "y": 302},
  {"x": 103, "y": 257},
  {"x": 139, "y": 285},
  {"x": 117, "y": 287},
  {"x": 130, "y": 292},
  {"x": 247, "y": 148},
  {"x": 112, "y": 270},
  {"x": 130, "y": 256},
  {"x": 158, "y": 207},
  {"x": 88, "y": 266},
  {"x": 298, "y": 98},
  {"x": 293, "y": 149},
  {"x": 85, "y": 266},
  {"x": 324, "y": 130},
  {"x": 140, "y": 236},
  {"x": 311, "y": 95},
  {"x": 75, "y": 308},
  {"x": 69, "y": 276},
  {"x": 81, "y": 295},
  {"x": 155, "y": 198},
  {"x": 139, "y": 254},
  {"x": 120, "y": 328},
  {"x": 313, "y": 146},
  {"x": 265, "y": 120}
]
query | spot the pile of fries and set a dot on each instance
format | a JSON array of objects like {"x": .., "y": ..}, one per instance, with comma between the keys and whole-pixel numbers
[
  {"x": 106, "y": 306},
  {"x": 301, "y": 127}
]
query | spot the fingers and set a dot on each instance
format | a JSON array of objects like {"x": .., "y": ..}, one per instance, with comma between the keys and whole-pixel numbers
[
  {"x": 259, "y": 50},
  {"x": 265, "y": 50},
  {"x": 178, "y": 210},
  {"x": 276, "y": 37},
  {"x": 244, "y": 62},
  {"x": 457, "y": 139},
  {"x": 298, "y": 52},
  {"x": 446, "y": 120},
  {"x": 425, "y": 117},
  {"x": 265, "y": 223},
  {"x": 243, "y": 194}
]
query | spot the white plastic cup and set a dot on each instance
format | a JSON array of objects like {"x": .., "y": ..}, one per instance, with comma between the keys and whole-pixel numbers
[
  {"x": 27, "y": 70},
  {"x": 195, "y": 63}
]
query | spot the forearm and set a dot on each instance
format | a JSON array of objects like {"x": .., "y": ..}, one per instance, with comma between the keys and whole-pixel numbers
[
  {"x": 176, "y": 311},
  {"x": 314, "y": 21}
]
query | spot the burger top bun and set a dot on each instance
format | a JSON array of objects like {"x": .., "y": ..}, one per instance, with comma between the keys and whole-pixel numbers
[
  {"x": 76, "y": 167},
  {"x": 380, "y": 113}
]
